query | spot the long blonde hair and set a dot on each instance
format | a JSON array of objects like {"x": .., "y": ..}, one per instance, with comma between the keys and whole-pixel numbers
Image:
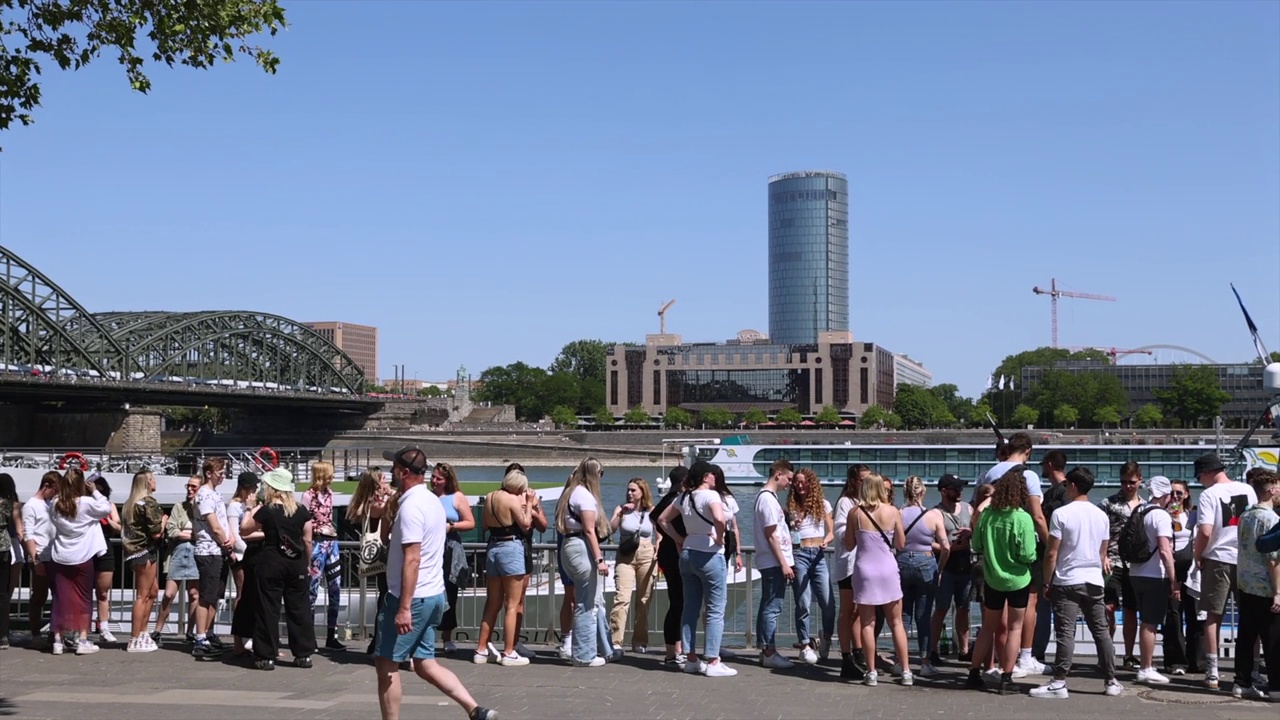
[
  {"x": 362, "y": 498},
  {"x": 586, "y": 475},
  {"x": 321, "y": 476},
  {"x": 141, "y": 488},
  {"x": 873, "y": 492},
  {"x": 286, "y": 500}
]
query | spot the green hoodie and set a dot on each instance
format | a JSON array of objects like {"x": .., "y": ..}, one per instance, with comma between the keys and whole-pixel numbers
[{"x": 1006, "y": 540}]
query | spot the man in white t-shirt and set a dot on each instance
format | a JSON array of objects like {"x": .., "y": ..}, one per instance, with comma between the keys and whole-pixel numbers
[
  {"x": 213, "y": 541},
  {"x": 1218, "y": 512},
  {"x": 1075, "y": 562},
  {"x": 773, "y": 559},
  {"x": 415, "y": 601},
  {"x": 1154, "y": 580},
  {"x": 37, "y": 536},
  {"x": 1019, "y": 449}
]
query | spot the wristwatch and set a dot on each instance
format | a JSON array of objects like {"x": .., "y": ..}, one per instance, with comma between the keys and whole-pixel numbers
[{"x": 599, "y": 560}]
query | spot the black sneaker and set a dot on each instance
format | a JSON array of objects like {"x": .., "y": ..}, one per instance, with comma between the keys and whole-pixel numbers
[
  {"x": 482, "y": 713},
  {"x": 333, "y": 644},
  {"x": 202, "y": 649},
  {"x": 1006, "y": 683},
  {"x": 975, "y": 681},
  {"x": 935, "y": 659},
  {"x": 191, "y": 638},
  {"x": 1131, "y": 663},
  {"x": 264, "y": 664},
  {"x": 215, "y": 641},
  {"x": 155, "y": 637},
  {"x": 966, "y": 656},
  {"x": 850, "y": 669},
  {"x": 302, "y": 662}
]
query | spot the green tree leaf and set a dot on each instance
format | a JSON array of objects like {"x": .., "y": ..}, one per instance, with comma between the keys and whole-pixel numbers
[
  {"x": 1148, "y": 416},
  {"x": 1066, "y": 416},
  {"x": 564, "y": 416},
  {"x": 677, "y": 418},
  {"x": 1194, "y": 394},
  {"x": 714, "y": 417},
  {"x": 788, "y": 416},
  {"x": 873, "y": 417},
  {"x": 605, "y": 418},
  {"x": 828, "y": 415},
  {"x": 1106, "y": 415},
  {"x": 755, "y": 416},
  {"x": 636, "y": 416},
  {"x": 1024, "y": 415}
]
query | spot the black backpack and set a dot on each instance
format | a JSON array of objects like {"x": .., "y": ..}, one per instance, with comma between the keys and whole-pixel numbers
[{"x": 1133, "y": 544}]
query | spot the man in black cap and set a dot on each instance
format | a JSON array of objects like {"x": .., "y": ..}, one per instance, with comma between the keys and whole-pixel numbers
[
  {"x": 957, "y": 575},
  {"x": 1218, "y": 513},
  {"x": 416, "y": 601}
]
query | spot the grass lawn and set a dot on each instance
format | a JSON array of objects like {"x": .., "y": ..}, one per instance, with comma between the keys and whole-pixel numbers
[{"x": 469, "y": 488}]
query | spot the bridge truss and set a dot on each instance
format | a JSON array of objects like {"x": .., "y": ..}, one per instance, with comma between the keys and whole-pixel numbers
[{"x": 44, "y": 330}]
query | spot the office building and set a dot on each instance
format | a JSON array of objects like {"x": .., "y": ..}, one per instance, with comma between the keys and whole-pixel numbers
[
  {"x": 808, "y": 255},
  {"x": 359, "y": 342},
  {"x": 906, "y": 370}
]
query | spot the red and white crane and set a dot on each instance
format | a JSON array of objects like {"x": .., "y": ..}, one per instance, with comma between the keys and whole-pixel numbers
[{"x": 1054, "y": 293}]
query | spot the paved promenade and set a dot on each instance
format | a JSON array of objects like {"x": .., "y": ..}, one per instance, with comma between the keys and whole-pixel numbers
[{"x": 170, "y": 684}]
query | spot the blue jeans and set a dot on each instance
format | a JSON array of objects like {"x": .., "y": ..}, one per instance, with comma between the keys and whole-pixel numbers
[
  {"x": 773, "y": 587},
  {"x": 590, "y": 621},
  {"x": 1044, "y": 621},
  {"x": 704, "y": 575},
  {"x": 919, "y": 572},
  {"x": 812, "y": 579}
]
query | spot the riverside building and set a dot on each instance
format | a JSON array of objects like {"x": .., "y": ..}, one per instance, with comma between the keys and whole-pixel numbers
[{"x": 808, "y": 255}]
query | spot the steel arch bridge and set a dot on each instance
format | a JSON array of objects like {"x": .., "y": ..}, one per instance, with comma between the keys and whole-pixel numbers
[{"x": 44, "y": 330}]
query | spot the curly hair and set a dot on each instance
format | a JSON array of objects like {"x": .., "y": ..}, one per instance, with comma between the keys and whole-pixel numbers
[
  {"x": 804, "y": 500},
  {"x": 1011, "y": 491}
]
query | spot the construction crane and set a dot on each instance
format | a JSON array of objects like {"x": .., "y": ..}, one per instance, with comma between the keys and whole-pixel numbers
[
  {"x": 662, "y": 317},
  {"x": 1054, "y": 293},
  {"x": 1112, "y": 352}
]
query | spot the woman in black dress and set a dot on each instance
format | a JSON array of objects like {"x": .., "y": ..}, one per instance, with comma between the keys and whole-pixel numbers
[{"x": 281, "y": 572}]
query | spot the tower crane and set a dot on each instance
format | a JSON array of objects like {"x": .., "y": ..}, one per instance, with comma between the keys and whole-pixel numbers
[
  {"x": 1054, "y": 293},
  {"x": 1113, "y": 352},
  {"x": 662, "y": 317}
]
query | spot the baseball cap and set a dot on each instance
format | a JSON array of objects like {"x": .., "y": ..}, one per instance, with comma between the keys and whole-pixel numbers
[
  {"x": 279, "y": 479},
  {"x": 950, "y": 482},
  {"x": 410, "y": 457},
  {"x": 1160, "y": 486},
  {"x": 1209, "y": 462},
  {"x": 247, "y": 480}
]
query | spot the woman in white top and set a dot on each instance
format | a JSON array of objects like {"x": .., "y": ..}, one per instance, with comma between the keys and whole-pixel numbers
[
  {"x": 636, "y": 567},
  {"x": 810, "y": 515},
  {"x": 1181, "y": 628},
  {"x": 244, "y": 499},
  {"x": 848, "y": 626},
  {"x": 702, "y": 566},
  {"x": 926, "y": 550},
  {"x": 580, "y": 521},
  {"x": 77, "y": 515}
]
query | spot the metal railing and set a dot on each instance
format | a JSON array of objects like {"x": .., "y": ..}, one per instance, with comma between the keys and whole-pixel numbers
[{"x": 358, "y": 604}]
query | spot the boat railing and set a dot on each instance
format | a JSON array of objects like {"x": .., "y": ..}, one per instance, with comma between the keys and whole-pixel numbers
[{"x": 358, "y": 604}]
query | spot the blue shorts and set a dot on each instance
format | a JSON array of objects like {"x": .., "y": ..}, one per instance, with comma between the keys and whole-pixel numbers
[
  {"x": 504, "y": 558},
  {"x": 420, "y": 642},
  {"x": 953, "y": 589}
]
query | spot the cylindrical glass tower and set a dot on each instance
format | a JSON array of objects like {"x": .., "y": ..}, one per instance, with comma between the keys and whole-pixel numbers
[{"x": 808, "y": 255}]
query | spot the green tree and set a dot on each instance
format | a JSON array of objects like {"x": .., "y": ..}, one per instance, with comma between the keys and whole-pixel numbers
[
  {"x": 1148, "y": 416},
  {"x": 604, "y": 417},
  {"x": 1106, "y": 415},
  {"x": 1002, "y": 401},
  {"x": 714, "y": 417},
  {"x": 74, "y": 33},
  {"x": 1193, "y": 394},
  {"x": 516, "y": 384},
  {"x": 788, "y": 416},
  {"x": 1275, "y": 356},
  {"x": 920, "y": 408},
  {"x": 960, "y": 408},
  {"x": 564, "y": 416},
  {"x": 383, "y": 389},
  {"x": 893, "y": 421},
  {"x": 636, "y": 416},
  {"x": 677, "y": 418},
  {"x": 1084, "y": 391},
  {"x": 1066, "y": 416},
  {"x": 981, "y": 410},
  {"x": 585, "y": 360},
  {"x": 431, "y": 391},
  {"x": 874, "y": 416},
  {"x": 828, "y": 415},
  {"x": 1025, "y": 415},
  {"x": 755, "y": 416},
  {"x": 562, "y": 388}
]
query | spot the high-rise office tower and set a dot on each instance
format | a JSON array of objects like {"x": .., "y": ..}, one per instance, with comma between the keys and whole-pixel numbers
[{"x": 808, "y": 255}]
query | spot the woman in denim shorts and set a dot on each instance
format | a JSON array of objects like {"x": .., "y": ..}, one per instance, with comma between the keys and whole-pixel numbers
[
  {"x": 508, "y": 517},
  {"x": 181, "y": 563}
]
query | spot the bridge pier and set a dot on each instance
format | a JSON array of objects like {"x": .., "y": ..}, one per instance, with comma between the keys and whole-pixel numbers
[{"x": 131, "y": 431}]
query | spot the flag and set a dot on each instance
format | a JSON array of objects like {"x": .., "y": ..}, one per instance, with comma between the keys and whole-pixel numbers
[
  {"x": 990, "y": 381},
  {"x": 1253, "y": 329},
  {"x": 1000, "y": 385},
  {"x": 1010, "y": 384}
]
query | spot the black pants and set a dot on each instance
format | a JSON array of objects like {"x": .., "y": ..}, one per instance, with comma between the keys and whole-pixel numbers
[
  {"x": 675, "y": 600},
  {"x": 244, "y": 618},
  {"x": 1257, "y": 621},
  {"x": 450, "y": 621},
  {"x": 283, "y": 580},
  {"x": 6, "y": 557}
]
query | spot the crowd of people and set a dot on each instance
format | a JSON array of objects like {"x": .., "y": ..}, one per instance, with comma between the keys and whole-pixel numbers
[{"x": 1035, "y": 550}]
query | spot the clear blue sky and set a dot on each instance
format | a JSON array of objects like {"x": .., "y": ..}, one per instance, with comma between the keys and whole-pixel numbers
[{"x": 485, "y": 181}]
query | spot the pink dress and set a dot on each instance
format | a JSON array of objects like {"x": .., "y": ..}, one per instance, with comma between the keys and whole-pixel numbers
[{"x": 875, "y": 576}]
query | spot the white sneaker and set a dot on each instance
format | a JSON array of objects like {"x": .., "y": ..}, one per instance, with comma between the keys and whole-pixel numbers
[
  {"x": 151, "y": 644},
  {"x": 450, "y": 646},
  {"x": 565, "y": 652},
  {"x": 1151, "y": 677},
  {"x": 596, "y": 661},
  {"x": 927, "y": 670},
  {"x": 639, "y": 649},
  {"x": 776, "y": 661},
  {"x": 1249, "y": 693},
  {"x": 480, "y": 658},
  {"x": 105, "y": 636},
  {"x": 808, "y": 656},
  {"x": 513, "y": 660},
  {"x": 695, "y": 667},
  {"x": 718, "y": 670},
  {"x": 907, "y": 679},
  {"x": 1051, "y": 690},
  {"x": 1113, "y": 689},
  {"x": 1032, "y": 666},
  {"x": 137, "y": 645},
  {"x": 84, "y": 647},
  {"x": 870, "y": 678},
  {"x": 58, "y": 646}
]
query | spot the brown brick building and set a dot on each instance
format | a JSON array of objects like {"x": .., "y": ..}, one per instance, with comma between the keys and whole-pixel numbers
[{"x": 360, "y": 342}]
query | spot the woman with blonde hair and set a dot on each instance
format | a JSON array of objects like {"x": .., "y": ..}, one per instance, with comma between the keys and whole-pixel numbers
[
  {"x": 142, "y": 533},
  {"x": 77, "y": 513},
  {"x": 180, "y": 565},
  {"x": 458, "y": 519},
  {"x": 636, "y": 569},
  {"x": 326, "y": 564},
  {"x": 281, "y": 571},
  {"x": 583, "y": 525},
  {"x": 810, "y": 515},
  {"x": 874, "y": 528},
  {"x": 367, "y": 511},
  {"x": 507, "y": 516},
  {"x": 927, "y": 549}
]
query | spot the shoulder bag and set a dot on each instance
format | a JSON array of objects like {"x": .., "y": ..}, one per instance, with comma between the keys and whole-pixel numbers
[{"x": 373, "y": 554}]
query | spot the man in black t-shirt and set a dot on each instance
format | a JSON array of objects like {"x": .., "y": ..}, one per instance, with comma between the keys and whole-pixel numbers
[{"x": 1053, "y": 467}]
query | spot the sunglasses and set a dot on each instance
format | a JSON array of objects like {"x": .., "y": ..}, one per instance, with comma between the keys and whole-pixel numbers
[{"x": 193, "y": 487}]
